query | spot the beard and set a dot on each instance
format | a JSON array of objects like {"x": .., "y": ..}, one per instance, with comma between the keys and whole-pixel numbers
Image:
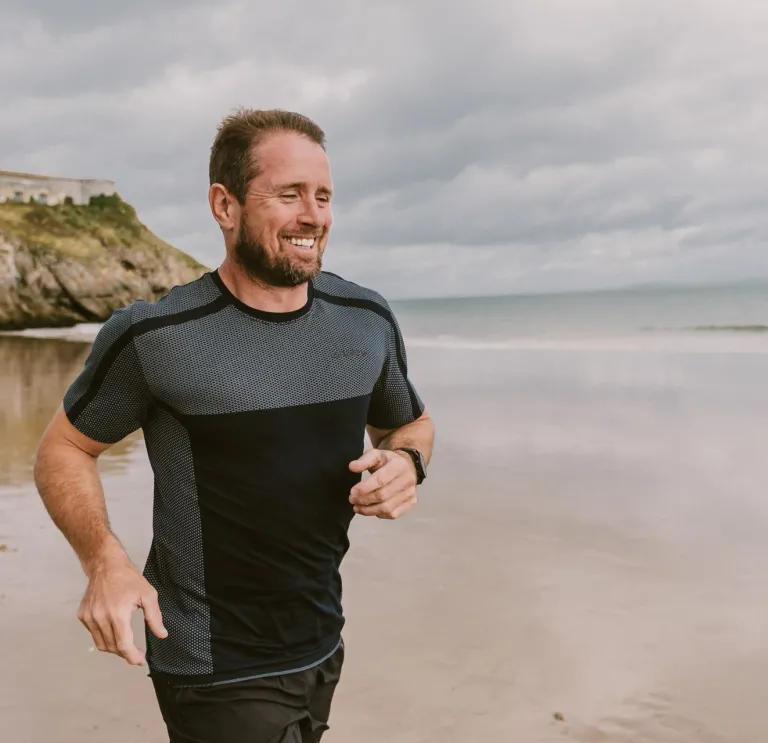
[{"x": 280, "y": 270}]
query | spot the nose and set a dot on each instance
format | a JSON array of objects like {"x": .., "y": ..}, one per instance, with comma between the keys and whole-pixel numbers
[{"x": 311, "y": 213}]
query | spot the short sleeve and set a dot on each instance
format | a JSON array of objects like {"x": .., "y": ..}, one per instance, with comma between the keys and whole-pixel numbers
[
  {"x": 109, "y": 399},
  {"x": 394, "y": 401}
]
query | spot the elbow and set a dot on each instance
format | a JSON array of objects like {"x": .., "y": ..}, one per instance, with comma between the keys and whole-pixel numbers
[
  {"x": 39, "y": 461},
  {"x": 49, "y": 453}
]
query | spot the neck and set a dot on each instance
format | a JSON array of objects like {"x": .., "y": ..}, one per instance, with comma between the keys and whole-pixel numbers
[{"x": 258, "y": 295}]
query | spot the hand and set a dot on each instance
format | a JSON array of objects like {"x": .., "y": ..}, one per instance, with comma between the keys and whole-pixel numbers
[
  {"x": 390, "y": 491},
  {"x": 115, "y": 590}
]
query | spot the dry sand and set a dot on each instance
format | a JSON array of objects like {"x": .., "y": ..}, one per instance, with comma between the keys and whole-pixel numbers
[{"x": 587, "y": 563}]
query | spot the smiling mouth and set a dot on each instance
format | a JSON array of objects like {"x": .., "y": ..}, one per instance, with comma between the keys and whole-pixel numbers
[{"x": 305, "y": 243}]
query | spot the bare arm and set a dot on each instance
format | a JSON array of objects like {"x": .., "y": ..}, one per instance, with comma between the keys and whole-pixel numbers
[
  {"x": 419, "y": 434},
  {"x": 68, "y": 481}
]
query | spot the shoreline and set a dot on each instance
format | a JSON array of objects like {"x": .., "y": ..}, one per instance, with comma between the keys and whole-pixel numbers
[
  {"x": 693, "y": 341},
  {"x": 82, "y": 332}
]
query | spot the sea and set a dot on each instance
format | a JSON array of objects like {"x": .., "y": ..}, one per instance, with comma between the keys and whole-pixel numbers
[
  {"x": 651, "y": 318},
  {"x": 587, "y": 562}
]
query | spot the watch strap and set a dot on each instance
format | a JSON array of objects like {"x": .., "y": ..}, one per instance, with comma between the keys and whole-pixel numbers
[{"x": 418, "y": 462}]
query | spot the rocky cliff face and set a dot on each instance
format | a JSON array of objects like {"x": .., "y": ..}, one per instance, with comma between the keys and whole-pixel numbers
[{"x": 63, "y": 265}]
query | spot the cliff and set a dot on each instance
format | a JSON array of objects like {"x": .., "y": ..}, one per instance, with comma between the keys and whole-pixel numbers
[{"x": 67, "y": 264}]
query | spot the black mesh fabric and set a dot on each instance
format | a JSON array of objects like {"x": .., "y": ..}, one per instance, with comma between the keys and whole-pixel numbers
[
  {"x": 175, "y": 563},
  {"x": 250, "y": 420}
]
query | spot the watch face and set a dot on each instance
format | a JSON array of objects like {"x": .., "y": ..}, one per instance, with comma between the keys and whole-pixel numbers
[{"x": 422, "y": 463}]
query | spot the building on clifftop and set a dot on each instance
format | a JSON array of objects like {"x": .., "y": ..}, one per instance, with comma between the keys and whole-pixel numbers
[{"x": 46, "y": 189}]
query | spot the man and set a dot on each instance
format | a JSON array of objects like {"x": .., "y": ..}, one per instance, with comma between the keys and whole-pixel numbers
[{"x": 254, "y": 386}]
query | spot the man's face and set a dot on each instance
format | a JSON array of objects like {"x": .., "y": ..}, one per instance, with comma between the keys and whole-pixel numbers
[{"x": 286, "y": 218}]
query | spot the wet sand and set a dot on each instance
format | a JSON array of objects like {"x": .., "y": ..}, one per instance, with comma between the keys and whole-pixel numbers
[{"x": 587, "y": 562}]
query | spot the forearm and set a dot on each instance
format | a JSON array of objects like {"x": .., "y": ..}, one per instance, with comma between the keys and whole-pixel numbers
[
  {"x": 68, "y": 481},
  {"x": 419, "y": 435}
]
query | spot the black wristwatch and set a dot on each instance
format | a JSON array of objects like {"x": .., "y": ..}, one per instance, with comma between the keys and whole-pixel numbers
[{"x": 418, "y": 462}]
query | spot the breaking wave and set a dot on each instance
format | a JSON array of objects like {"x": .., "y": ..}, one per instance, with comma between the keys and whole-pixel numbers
[{"x": 731, "y": 328}]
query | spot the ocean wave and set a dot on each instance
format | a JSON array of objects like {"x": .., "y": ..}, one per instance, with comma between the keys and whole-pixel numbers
[
  {"x": 732, "y": 328},
  {"x": 708, "y": 329}
]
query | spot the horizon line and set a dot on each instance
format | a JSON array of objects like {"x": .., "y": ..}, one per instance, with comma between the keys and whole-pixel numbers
[{"x": 640, "y": 286}]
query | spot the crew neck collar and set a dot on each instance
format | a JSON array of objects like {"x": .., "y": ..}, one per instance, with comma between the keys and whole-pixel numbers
[{"x": 264, "y": 314}]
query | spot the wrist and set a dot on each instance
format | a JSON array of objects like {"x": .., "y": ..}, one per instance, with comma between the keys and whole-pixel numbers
[
  {"x": 407, "y": 457},
  {"x": 416, "y": 458},
  {"x": 109, "y": 552}
]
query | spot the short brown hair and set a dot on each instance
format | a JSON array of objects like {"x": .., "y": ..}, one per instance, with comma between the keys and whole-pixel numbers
[{"x": 232, "y": 163}]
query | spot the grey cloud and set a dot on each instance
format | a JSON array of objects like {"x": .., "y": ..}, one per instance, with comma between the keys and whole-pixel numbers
[
  {"x": 499, "y": 144},
  {"x": 79, "y": 15}
]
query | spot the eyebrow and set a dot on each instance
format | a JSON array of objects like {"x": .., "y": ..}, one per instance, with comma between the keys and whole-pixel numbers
[{"x": 299, "y": 185}]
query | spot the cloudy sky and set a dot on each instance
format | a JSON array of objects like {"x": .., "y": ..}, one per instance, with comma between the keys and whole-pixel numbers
[{"x": 477, "y": 146}]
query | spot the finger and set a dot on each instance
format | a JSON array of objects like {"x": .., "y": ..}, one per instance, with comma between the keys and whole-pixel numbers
[
  {"x": 373, "y": 459},
  {"x": 403, "y": 508},
  {"x": 153, "y": 615},
  {"x": 95, "y": 632},
  {"x": 103, "y": 626},
  {"x": 379, "y": 495},
  {"x": 379, "y": 479},
  {"x": 387, "y": 509},
  {"x": 394, "y": 473},
  {"x": 124, "y": 641}
]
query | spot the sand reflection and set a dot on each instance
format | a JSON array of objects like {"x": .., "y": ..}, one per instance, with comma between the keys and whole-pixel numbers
[{"x": 34, "y": 374}]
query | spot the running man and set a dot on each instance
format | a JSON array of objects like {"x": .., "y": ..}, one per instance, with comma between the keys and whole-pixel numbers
[{"x": 254, "y": 387}]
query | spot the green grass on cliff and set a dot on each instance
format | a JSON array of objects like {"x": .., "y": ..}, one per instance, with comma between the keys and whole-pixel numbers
[{"x": 81, "y": 232}]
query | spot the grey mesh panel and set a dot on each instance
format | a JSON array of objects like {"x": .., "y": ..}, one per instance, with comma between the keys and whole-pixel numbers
[
  {"x": 394, "y": 398},
  {"x": 119, "y": 323},
  {"x": 116, "y": 391},
  {"x": 175, "y": 564},
  {"x": 121, "y": 403},
  {"x": 179, "y": 299},
  {"x": 395, "y": 401},
  {"x": 246, "y": 363},
  {"x": 332, "y": 284}
]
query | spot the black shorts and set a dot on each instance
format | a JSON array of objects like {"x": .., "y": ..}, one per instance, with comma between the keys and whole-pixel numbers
[{"x": 289, "y": 708}]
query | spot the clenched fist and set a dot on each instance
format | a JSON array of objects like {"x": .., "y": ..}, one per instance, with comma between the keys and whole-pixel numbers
[{"x": 390, "y": 491}]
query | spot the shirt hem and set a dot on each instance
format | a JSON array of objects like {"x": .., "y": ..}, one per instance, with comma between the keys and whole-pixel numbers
[{"x": 248, "y": 673}]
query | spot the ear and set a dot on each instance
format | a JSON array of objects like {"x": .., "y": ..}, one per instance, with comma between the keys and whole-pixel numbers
[{"x": 224, "y": 207}]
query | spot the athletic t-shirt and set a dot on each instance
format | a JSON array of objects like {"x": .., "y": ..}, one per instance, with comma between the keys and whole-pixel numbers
[{"x": 250, "y": 420}]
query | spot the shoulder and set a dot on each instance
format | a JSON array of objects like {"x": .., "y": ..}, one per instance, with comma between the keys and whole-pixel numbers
[
  {"x": 179, "y": 300},
  {"x": 331, "y": 286},
  {"x": 141, "y": 315}
]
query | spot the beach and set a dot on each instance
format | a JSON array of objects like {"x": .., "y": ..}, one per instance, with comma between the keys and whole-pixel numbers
[{"x": 587, "y": 561}]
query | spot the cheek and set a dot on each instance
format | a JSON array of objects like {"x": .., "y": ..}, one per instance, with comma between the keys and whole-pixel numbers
[{"x": 284, "y": 219}]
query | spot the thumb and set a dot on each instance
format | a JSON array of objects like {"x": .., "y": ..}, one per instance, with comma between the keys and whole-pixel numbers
[
  {"x": 153, "y": 616},
  {"x": 371, "y": 460}
]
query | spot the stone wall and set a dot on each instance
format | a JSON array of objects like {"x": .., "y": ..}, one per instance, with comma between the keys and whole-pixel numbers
[{"x": 50, "y": 190}]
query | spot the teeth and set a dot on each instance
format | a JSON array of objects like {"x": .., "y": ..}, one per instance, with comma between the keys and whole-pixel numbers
[{"x": 301, "y": 243}]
